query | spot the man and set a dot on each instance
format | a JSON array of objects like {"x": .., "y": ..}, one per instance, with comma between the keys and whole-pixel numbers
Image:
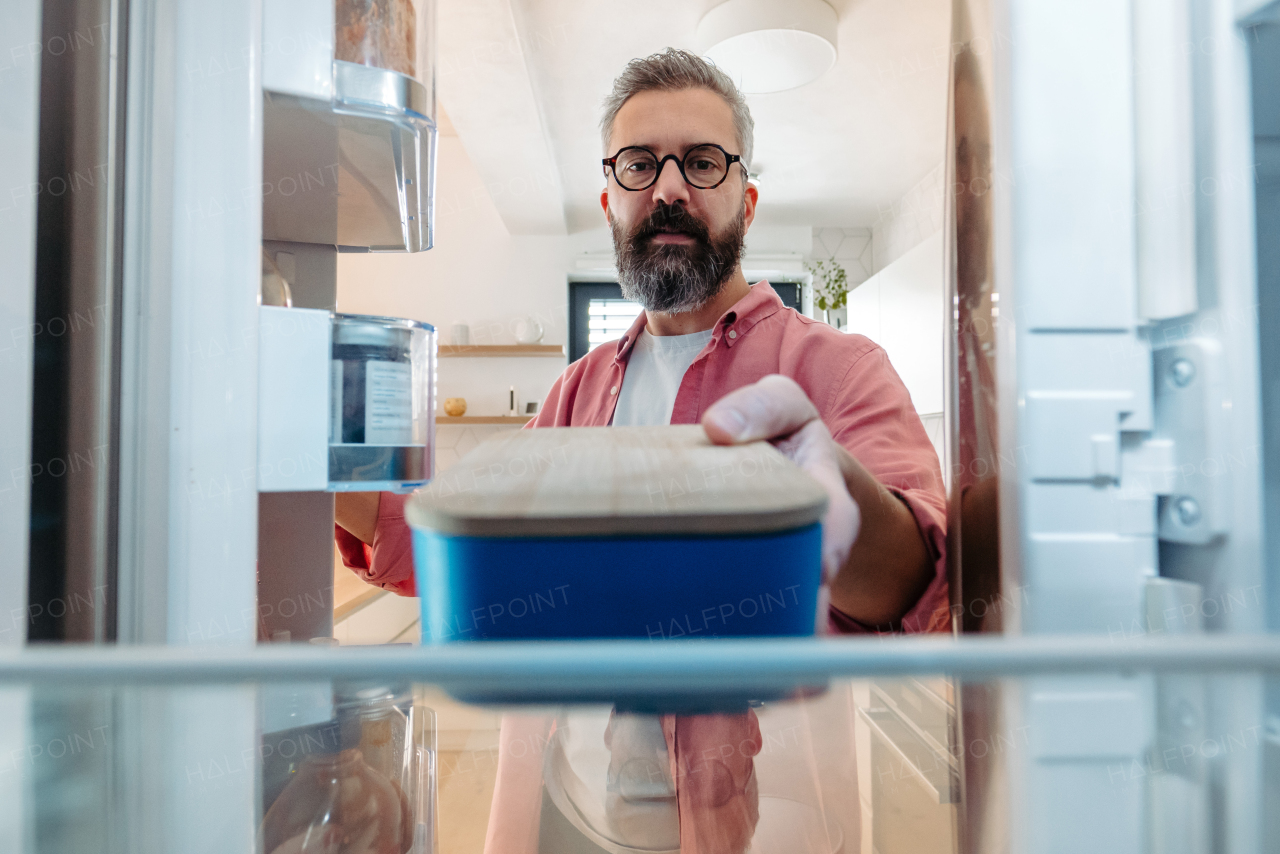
[{"x": 711, "y": 348}]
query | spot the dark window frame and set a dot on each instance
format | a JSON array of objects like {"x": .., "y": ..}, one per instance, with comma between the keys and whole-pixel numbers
[{"x": 580, "y": 296}]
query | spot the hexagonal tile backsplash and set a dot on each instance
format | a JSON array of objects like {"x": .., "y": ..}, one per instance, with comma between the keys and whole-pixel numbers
[{"x": 454, "y": 441}]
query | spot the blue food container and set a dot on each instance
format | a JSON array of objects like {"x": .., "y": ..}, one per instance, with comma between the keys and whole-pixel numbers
[{"x": 617, "y": 532}]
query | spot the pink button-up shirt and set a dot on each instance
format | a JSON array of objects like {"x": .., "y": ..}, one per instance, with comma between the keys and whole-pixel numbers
[{"x": 848, "y": 377}]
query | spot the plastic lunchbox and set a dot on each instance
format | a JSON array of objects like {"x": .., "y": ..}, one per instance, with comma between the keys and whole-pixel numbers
[{"x": 617, "y": 532}]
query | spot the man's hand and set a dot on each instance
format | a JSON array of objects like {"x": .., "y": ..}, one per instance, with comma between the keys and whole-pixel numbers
[
  {"x": 874, "y": 576},
  {"x": 776, "y": 408}
]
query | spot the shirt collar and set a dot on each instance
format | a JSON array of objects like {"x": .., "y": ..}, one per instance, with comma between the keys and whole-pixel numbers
[{"x": 760, "y": 302}]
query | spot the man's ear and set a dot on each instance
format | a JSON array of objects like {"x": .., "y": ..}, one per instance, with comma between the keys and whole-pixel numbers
[
  {"x": 604, "y": 204},
  {"x": 750, "y": 196}
]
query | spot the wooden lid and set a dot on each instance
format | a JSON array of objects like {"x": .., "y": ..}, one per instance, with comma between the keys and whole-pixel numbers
[{"x": 604, "y": 481}]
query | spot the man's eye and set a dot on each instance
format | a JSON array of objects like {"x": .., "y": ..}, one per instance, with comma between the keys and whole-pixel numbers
[
  {"x": 638, "y": 166},
  {"x": 703, "y": 165}
]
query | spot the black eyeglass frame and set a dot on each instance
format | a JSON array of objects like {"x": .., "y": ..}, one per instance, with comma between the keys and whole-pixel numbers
[{"x": 611, "y": 164}]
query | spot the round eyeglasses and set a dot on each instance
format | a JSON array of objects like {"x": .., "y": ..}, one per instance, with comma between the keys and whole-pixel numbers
[{"x": 703, "y": 167}]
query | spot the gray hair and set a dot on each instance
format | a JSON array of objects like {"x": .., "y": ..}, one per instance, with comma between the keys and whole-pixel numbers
[{"x": 675, "y": 70}]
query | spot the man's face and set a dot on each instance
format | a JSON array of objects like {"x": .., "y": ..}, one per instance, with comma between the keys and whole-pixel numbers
[{"x": 677, "y": 245}]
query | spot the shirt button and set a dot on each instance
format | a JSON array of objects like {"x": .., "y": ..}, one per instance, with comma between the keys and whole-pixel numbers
[
  {"x": 613, "y": 390},
  {"x": 733, "y": 333}
]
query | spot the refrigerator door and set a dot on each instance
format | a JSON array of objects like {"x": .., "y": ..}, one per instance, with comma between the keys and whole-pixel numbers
[{"x": 1103, "y": 388}]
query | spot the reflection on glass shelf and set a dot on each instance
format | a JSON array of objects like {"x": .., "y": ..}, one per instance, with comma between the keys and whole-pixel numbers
[{"x": 873, "y": 766}]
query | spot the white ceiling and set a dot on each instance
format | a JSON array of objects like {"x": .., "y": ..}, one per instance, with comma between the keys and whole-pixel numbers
[{"x": 836, "y": 152}]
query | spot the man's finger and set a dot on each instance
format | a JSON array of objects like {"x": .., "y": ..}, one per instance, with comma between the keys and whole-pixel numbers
[{"x": 774, "y": 406}]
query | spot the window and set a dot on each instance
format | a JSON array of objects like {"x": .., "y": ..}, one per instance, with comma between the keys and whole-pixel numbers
[
  {"x": 608, "y": 319},
  {"x": 597, "y": 313}
]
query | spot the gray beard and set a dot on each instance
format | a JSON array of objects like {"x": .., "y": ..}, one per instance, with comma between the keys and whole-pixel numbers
[{"x": 671, "y": 278}]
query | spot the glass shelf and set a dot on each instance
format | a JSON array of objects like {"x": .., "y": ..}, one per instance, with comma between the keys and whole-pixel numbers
[
  {"x": 659, "y": 670},
  {"x": 150, "y": 749}
]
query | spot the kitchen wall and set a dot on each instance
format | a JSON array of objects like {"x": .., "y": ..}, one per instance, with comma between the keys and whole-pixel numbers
[
  {"x": 901, "y": 306},
  {"x": 909, "y": 221},
  {"x": 901, "y": 226},
  {"x": 901, "y": 309},
  {"x": 851, "y": 247}
]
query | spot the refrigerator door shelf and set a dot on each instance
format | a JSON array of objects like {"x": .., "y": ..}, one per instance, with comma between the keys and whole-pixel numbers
[
  {"x": 355, "y": 172},
  {"x": 345, "y": 402},
  {"x": 293, "y": 398},
  {"x": 380, "y": 89},
  {"x": 382, "y": 397}
]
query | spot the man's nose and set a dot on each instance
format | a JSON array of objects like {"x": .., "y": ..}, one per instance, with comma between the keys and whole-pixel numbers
[{"x": 670, "y": 186}]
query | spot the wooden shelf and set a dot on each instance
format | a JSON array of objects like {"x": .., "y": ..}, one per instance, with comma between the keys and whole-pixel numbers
[
  {"x": 516, "y": 420},
  {"x": 491, "y": 350}
]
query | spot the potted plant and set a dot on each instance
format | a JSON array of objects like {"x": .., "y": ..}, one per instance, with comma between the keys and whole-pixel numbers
[{"x": 830, "y": 286}]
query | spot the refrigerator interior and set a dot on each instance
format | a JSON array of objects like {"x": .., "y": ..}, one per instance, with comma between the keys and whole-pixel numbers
[{"x": 1118, "y": 444}]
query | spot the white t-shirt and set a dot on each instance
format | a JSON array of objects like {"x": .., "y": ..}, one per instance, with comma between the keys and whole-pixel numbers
[
  {"x": 654, "y": 370},
  {"x": 623, "y": 798}
]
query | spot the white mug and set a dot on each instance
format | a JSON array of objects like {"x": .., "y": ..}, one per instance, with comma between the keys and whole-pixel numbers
[
  {"x": 528, "y": 331},
  {"x": 460, "y": 334}
]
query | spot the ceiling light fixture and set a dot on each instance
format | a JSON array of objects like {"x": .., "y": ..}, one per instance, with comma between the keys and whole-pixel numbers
[{"x": 767, "y": 46}]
